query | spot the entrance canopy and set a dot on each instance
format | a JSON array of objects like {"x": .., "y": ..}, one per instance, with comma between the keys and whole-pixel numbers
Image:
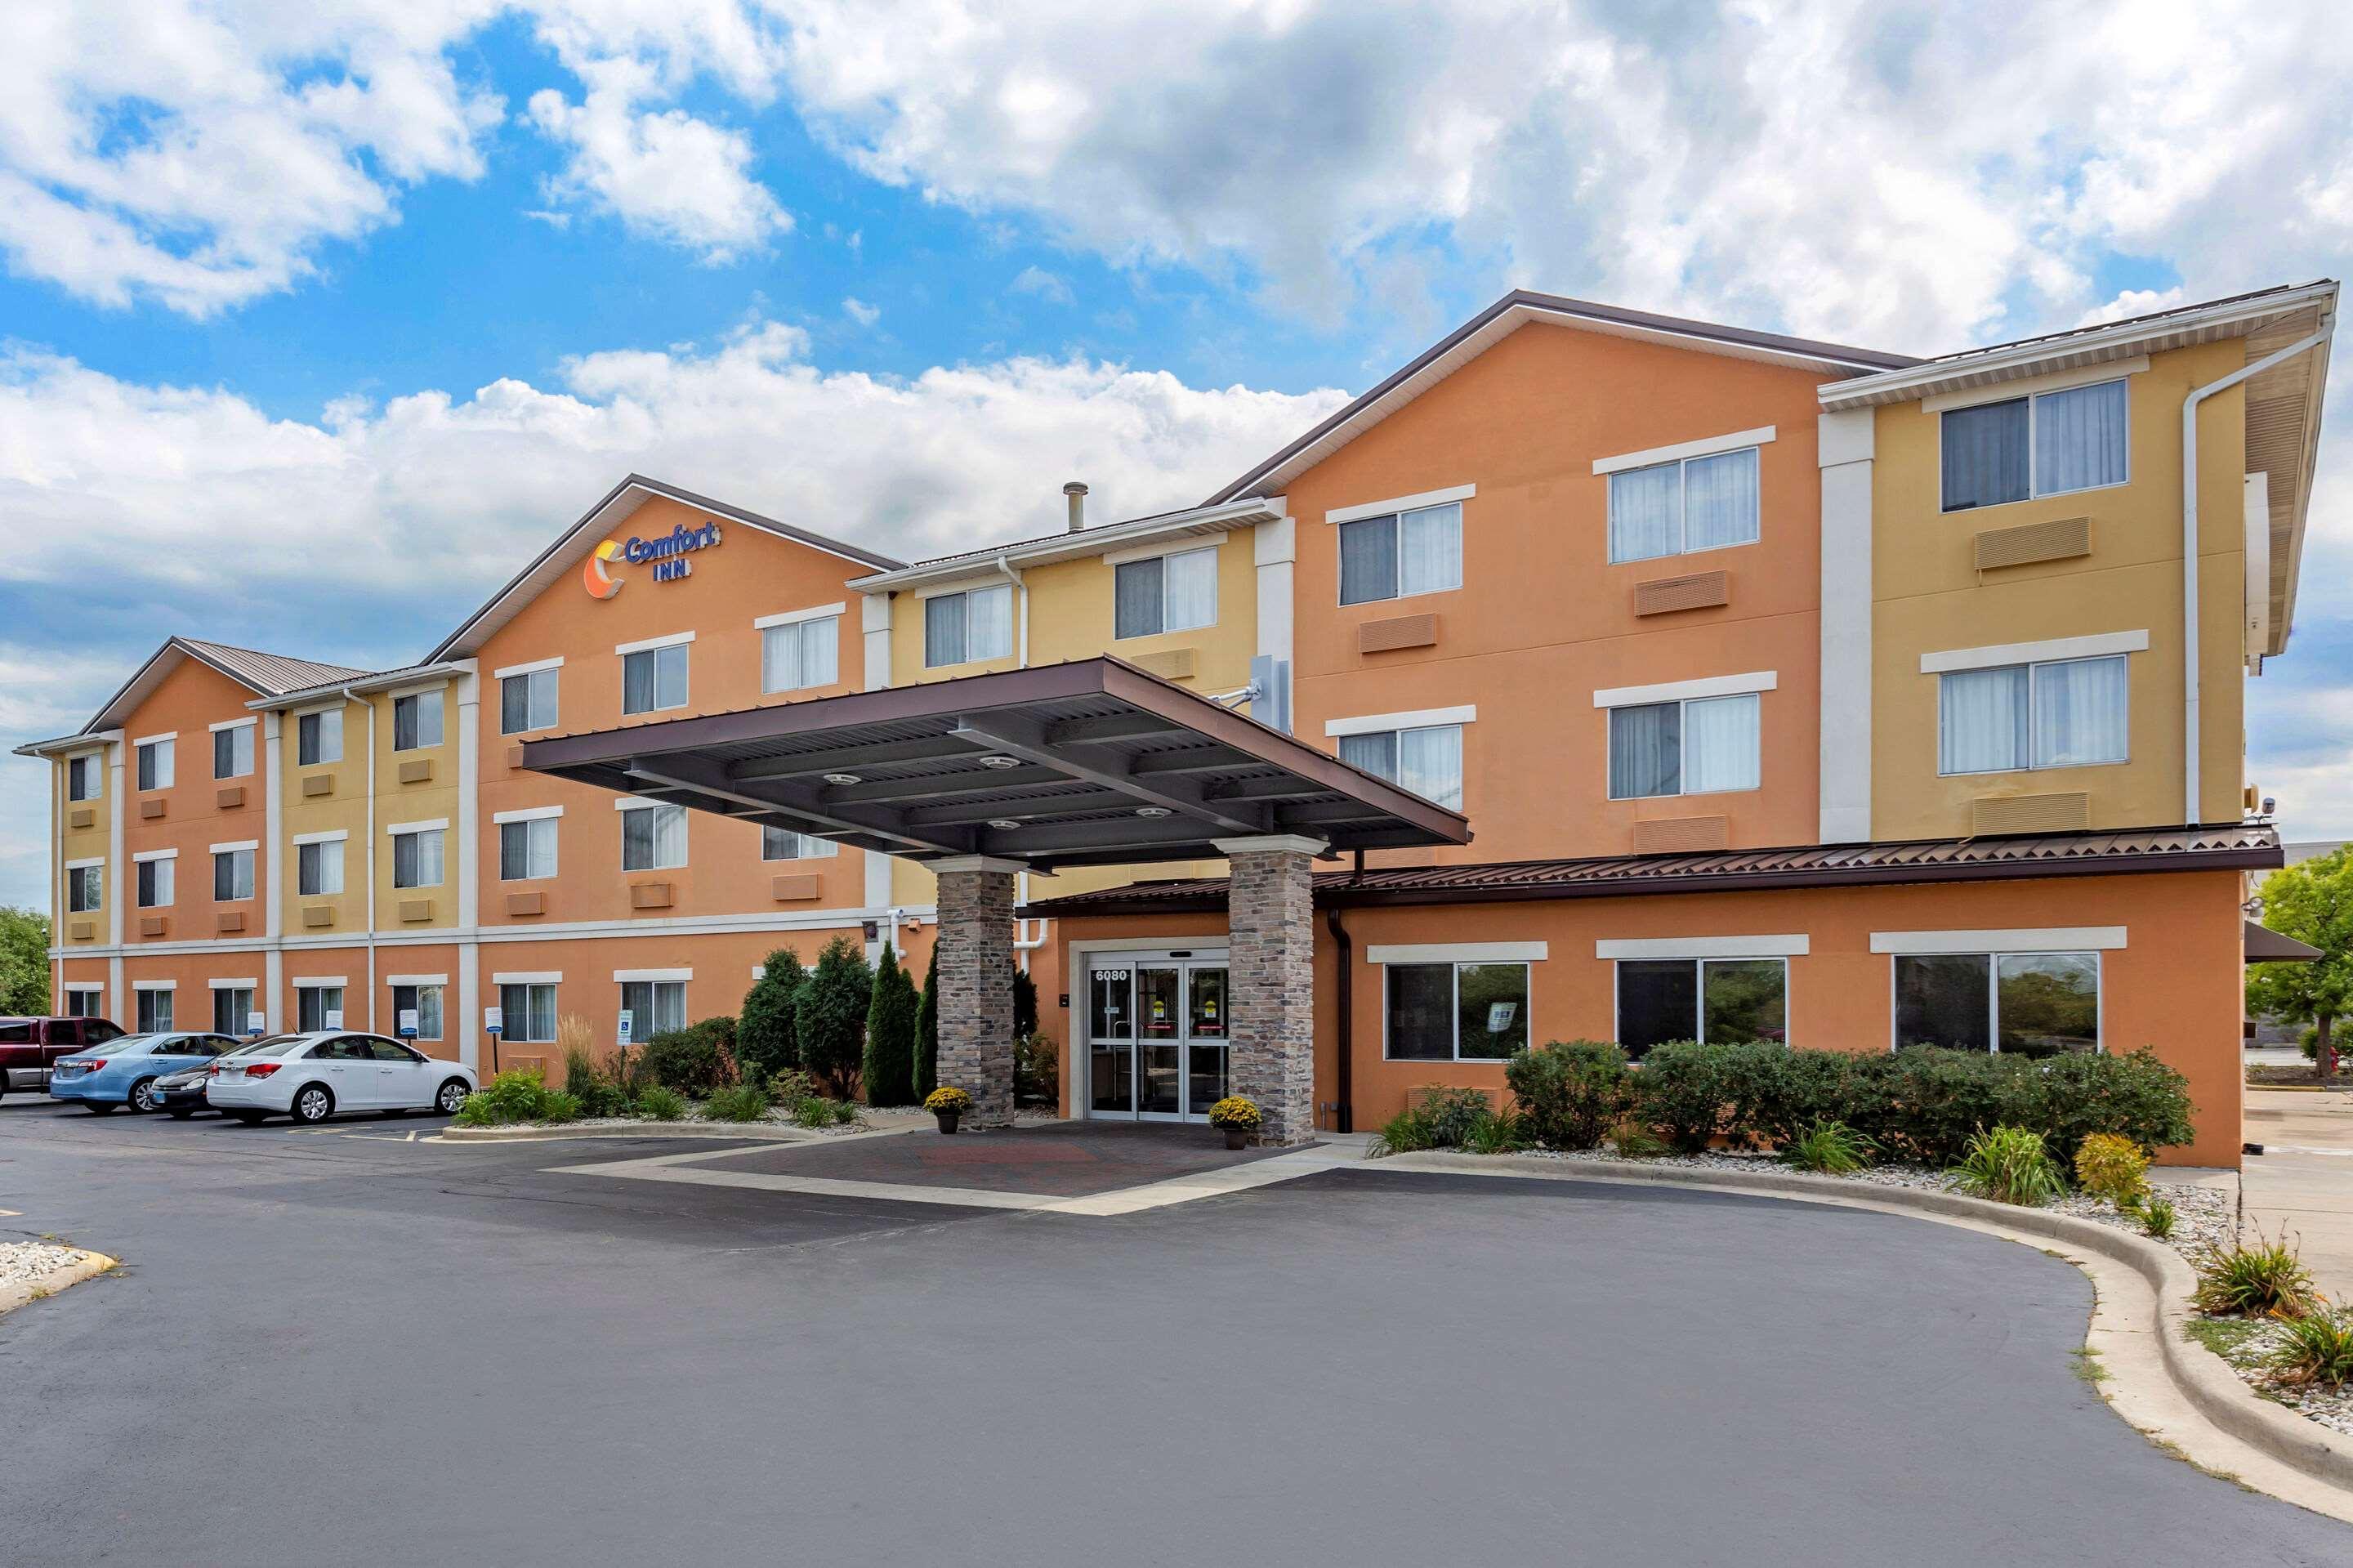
[{"x": 1090, "y": 762}]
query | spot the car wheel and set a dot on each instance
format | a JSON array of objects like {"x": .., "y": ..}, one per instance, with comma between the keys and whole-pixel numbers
[
  {"x": 250, "y": 1118},
  {"x": 314, "y": 1104},
  {"x": 99, "y": 1108},
  {"x": 143, "y": 1096},
  {"x": 451, "y": 1095},
  {"x": 179, "y": 1113}
]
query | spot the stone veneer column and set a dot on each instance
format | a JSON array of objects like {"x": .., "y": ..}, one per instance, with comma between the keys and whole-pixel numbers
[
  {"x": 975, "y": 947},
  {"x": 1271, "y": 981}
]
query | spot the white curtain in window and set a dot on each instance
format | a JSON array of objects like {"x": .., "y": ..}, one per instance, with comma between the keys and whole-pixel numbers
[
  {"x": 2079, "y": 713},
  {"x": 1721, "y": 738},
  {"x": 1982, "y": 718},
  {"x": 1368, "y": 564},
  {"x": 1374, "y": 753},
  {"x": 1432, "y": 545},
  {"x": 670, "y": 834},
  {"x": 1430, "y": 763},
  {"x": 2079, "y": 438},
  {"x": 992, "y": 623},
  {"x": 1191, "y": 586},
  {"x": 428, "y": 858},
  {"x": 1720, "y": 504},
  {"x": 944, "y": 628},
  {"x": 1646, "y": 512},
  {"x": 1645, "y": 751}
]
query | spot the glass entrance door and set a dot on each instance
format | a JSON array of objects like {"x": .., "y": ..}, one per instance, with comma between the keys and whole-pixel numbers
[{"x": 1156, "y": 1035}]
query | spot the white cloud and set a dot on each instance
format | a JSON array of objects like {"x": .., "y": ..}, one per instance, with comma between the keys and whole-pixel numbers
[
  {"x": 860, "y": 311},
  {"x": 1044, "y": 284}
]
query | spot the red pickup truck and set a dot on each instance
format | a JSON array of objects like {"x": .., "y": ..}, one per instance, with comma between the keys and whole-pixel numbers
[{"x": 30, "y": 1047}]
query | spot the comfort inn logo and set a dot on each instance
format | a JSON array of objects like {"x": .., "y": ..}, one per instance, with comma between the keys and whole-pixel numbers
[{"x": 666, "y": 555}]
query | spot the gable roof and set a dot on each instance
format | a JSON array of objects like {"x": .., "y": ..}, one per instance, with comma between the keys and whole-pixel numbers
[
  {"x": 264, "y": 675},
  {"x": 1518, "y": 309},
  {"x": 574, "y": 543},
  {"x": 1192, "y": 523}
]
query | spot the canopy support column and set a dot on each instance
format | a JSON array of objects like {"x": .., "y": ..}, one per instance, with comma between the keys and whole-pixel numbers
[
  {"x": 1270, "y": 975},
  {"x": 975, "y": 949}
]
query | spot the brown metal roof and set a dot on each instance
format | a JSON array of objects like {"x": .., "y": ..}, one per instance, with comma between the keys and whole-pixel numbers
[
  {"x": 2150, "y": 318},
  {"x": 1817, "y": 865},
  {"x": 270, "y": 674},
  {"x": 2266, "y": 945}
]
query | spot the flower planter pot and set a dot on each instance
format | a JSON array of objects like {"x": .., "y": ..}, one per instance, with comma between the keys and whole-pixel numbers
[
  {"x": 1237, "y": 1137},
  {"x": 947, "y": 1120}
]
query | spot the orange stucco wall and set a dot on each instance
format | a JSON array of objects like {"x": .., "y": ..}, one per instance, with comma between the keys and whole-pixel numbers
[{"x": 190, "y": 700}]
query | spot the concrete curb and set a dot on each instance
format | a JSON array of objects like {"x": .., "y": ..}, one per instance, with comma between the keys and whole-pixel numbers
[
  {"x": 2200, "y": 1376},
  {"x": 757, "y": 1132},
  {"x": 89, "y": 1265}
]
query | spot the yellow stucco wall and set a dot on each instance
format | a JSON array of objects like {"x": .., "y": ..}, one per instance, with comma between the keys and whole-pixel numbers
[
  {"x": 435, "y": 797},
  {"x": 343, "y": 809},
  {"x": 93, "y": 842}
]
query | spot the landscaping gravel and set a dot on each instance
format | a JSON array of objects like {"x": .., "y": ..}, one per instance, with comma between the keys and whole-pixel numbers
[
  {"x": 21, "y": 1263},
  {"x": 2249, "y": 1349}
]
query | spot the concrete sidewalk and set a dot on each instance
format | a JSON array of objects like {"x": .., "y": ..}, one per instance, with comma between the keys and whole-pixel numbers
[{"x": 2303, "y": 1179}]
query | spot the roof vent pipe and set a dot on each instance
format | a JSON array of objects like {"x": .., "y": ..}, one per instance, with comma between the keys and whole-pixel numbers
[{"x": 1077, "y": 492}]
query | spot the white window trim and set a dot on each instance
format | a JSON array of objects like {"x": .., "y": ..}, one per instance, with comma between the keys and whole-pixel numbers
[
  {"x": 1688, "y": 691},
  {"x": 527, "y": 814},
  {"x": 960, "y": 585},
  {"x": 232, "y": 724},
  {"x": 419, "y": 689},
  {"x": 246, "y": 984},
  {"x": 1792, "y": 945},
  {"x": 1130, "y": 557},
  {"x": 1401, "y": 503},
  {"x": 795, "y": 616},
  {"x": 528, "y": 977},
  {"x": 336, "y": 837},
  {"x": 436, "y": 824},
  {"x": 1458, "y": 953},
  {"x": 510, "y": 671},
  {"x": 154, "y": 985},
  {"x": 2098, "y": 645},
  {"x": 2048, "y": 940},
  {"x": 1422, "y": 718},
  {"x": 416, "y": 979},
  {"x": 319, "y": 982},
  {"x": 145, "y": 856},
  {"x": 633, "y": 977},
  {"x": 1017, "y": 607},
  {"x": 1706, "y": 446},
  {"x": 156, "y": 739},
  {"x": 239, "y": 844},
  {"x": 2027, "y": 386},
  {"x": 648, "y": 644},
  {"x": 84, "y": 988},
  {"x": 313, "y": 709},
  {"x": 631, "y": 803}
]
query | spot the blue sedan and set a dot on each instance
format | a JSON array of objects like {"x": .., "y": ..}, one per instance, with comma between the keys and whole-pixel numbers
[{"x": 123, "y": 1072}]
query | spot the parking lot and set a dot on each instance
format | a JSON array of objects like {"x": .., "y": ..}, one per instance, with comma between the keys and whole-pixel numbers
[{"x": 360, "y": 1345}]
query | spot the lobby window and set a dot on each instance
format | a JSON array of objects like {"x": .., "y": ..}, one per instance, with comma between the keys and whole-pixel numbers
[
  {"x": 426, "y": 1002},
  {"x": 1167, "y": 593},
  {"x": 318, "y": 1007},
  {"x": 154, "y": 1011},
  {"x": 84, "y": 885},
  {"x": 655, "y": 1007},
  {"x": 527, "y": 702},
  {"x": 527, "y": 849},
  {"x": 1461, "y": 1011},
  {"x": 653, "y": 838},
  {"x": 155, "y": 883},
  {"x": 319, "y": 737},
  {"x": 2049, "y": 444},
  {"x": 85, "y": 776},
  {"x": 319, "y": 868},
  {"x": 782, "y": 843},
  {"x": 154, "y": 759},
  {"x": 232, "y": 875},
  {"x": 1723, "y": 1002},
  {"x": 233, "y": 751},
  {"x": 82, "y": 1001},
  {"x": 1402, "y": 553},
  {"x": 1701, "y": 747},
  {"x": 527, "y": 1013},
  {"x": 417, "y": 721},
  {"x": 2069, "y": 713},
  {"x": 1427, "y": 760},
  {"x": 231, "y": 1004},
  {"x": 800, "y": 653},
  {"x": 416, "y": 858},
  {"x": 2028, "y": 1004},
  {"x": 653, "y": 678},
  {"x": 959, "y": 628},
  {"x": 1676, "y": 508}
]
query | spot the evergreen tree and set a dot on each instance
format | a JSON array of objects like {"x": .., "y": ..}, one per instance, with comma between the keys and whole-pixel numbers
[
  {"x": 1025, "y": 1005},
  {"x": 927, "y": 1031},
  {"x": 766, "y": 1040},
  {"x": 829, "y": 1016},
  {"x": 891, "y": 1034}
]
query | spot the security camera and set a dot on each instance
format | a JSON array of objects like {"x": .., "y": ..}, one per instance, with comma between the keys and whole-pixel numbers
[{"x": 2271, "y": 806}]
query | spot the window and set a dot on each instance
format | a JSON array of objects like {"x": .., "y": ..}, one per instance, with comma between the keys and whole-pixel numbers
[
  {"x": 417, "y": 721},
  {"x": 319, "y": 869},
  {"x": 230, "y": 1006},
  {"x": 2049, "y": 444},
  {"x": 83, "y": 886},
  {"x": 416, "y": 858},
  {"x": 81, "y": 1002},
  {"x": 424, "y": 1000},
  {"x": 1676, "y": 508},
  {"x": 961, "y": 627},
  {"x": 1724, "y": 1001},
  {"x": 653, "y": 838},
  {"x": 319, "y": 737},
  {"x": 782, "y": 843},
  {"x": 318, "y": 1007},
  {"x": 527, "y": 1012},
  {"x": 1701, "y": 747},
  {"x": 1444, "y": 1012},
  {"x": 653, "y": 678},
  {"x": 1168, "y": 593},
  {"x": 527, "y": 702},
  {"x": 233, "y": 751},
  {"x": 1428, "y": 761},
  {"x": 154, "y": 1012},
  {"x": 155, "y": 884},
  {"x": 155, "y": 758},
  {"x": 232, "y": 875},
  {"x": 800, "y": 653},
  {"x": 527, "y": 849},
  {"x": 2069, "y": 713},
  {"x": 654, "y": 1007},
  {"x": 85, "y": 776},
  {"x": 2031, "y": 1004},
  {"x": 1402, "y": 553}
]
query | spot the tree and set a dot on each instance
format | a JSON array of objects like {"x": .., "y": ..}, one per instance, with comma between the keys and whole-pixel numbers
[
  {"x": 927, "y": 1031},
  {"x": 830, "y": 1016},
  {"x": 24, "y": 962},
  {"x": 1025, "y": 1004},
  {"x": 766, "y": 1040},
  {"x": 2311, "y": 901},
  {"x": 891, "y": 1034}
]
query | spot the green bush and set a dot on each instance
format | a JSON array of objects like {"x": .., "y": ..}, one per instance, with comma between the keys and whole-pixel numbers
[
  {"x": 2267, "y": 1280},
  {"x": 694, "y": 1060},
  {"x": 1927, "y": 1103},
  {"x": 1632, "y": 1138},
  {"x": 561, "y": 1104},
  {"x": 517, "y": 1094},
  {"x": 831, "y": 1016},
  {"x": 2011, "y": 1165},
  {"x": 580, "y": 1070},
  {"x": 601, "y": 1098},
  {"x": 1570, "y": 1093},
  {"x": 2111, "y": 1168},
  {"x": 1036, "y": 1067},
  {"x": 927, "y": 1031},
  {"x": 815, "y": 1111},
  {"x": 1450, "y": 1114},
  {"x": 2316, "y": 1349},
  {"x": 767, "y": 1041},
  {"x": 1783, "y": 1092},
  {"x": 1500, "y": 1133},
  {"x": 1683, "y": 1093},
  {"x": 2069, "y": 1097},
  {"x": 658, "y": 1104},
  {"x": 789, "y": 1089},
  {"x": 738, "y": 1102},
  {"x": 2155, "y": 1215},
  {"x": 1402, "y": 1134},
  {"x": 1830, "y": 1149},
  {"x": 1025, "y": 1004},
  {"x": 889, "y": 1067}
]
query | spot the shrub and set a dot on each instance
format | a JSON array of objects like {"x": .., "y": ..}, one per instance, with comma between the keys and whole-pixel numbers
[
  {"x": 1037, "y": 1066},
  {"x": 2264, "y": 1280},
  {"x": 1450, "y": 1114},
  {"x": 766, "y": 1043},
  {"x": 2113, "y": 1168},
  {"x": 830, "y": 1015},
  {"x": 927, "y": 1030},
  {"x": 739, "y": 1102},
  {"x": 1025, "y": 1004},
  {"x": 656, "y": 1103},
  {"x": 1831, "y": 1149},
  {"x": 2009, "y": 1165},
  {"x": 1632, "y": 1138},
  {"x": 1682, "y": 1093},
  {"x": 694, "y": 1060},
  {"x": 559, "y": 1105},
  {"x": 517, "y": 1094},
  {"x": 2156, "y": 1215},
  {"x": 2068, "y": 1099},
  {"x": 1402, "y": 1134},
  {"x": 1500, "y": 1133},
  {"x": 601, "y": 1098},
  {"x": 789, "y": 1088},
  {"x": 1568, "y": 1093},
  {"x": 578, "y": 1043},
  {"x": 1926, "y": 1104},
  {"x": 1233, "y": 1111},
  {"x": 815, "y": 1111},
  {"x": 889, "y": 1068},
  {"x": 2316, "y": 1349}
]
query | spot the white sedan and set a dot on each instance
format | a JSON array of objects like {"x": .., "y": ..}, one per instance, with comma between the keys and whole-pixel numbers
[{"x": 311, "y": 1076}]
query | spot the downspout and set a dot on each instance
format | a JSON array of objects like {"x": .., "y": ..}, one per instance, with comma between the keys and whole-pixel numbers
[
  {"x": 2192, "y": 724},
  {"x": 367, "y": 851},
  {"x": 1344, "y": 956},
  {"x": 1021, "y": 882}
]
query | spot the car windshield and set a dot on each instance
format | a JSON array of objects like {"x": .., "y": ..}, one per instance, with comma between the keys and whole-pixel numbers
[
  {"x": 274, "y": 1045},
  {"x": 132, "y": 1045},
  {"x": 248, "y": 1047}
]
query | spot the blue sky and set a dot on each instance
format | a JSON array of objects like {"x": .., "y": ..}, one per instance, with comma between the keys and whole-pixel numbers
[{"x": 313, "y": 322}]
